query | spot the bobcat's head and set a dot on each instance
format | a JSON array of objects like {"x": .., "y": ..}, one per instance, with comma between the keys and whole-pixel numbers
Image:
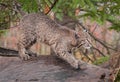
[{"x": 83, "y": 38}]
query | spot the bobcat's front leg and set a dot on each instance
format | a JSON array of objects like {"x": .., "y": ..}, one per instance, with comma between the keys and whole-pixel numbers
[
  {"x": 62, "y": 52},
  {"x": 69, "y": 58}
]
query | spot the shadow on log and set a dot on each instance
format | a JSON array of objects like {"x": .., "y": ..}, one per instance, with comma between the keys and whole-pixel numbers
[{"x": 48, "y": 69}]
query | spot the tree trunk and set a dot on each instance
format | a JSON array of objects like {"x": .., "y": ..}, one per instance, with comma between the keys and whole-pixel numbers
[{"x": 47, "y": 69}]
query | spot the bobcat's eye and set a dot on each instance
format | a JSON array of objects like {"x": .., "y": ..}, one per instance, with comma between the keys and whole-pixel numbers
[
  {"x": 85, "y": 30},
  {"x": 76, "y": 36}
]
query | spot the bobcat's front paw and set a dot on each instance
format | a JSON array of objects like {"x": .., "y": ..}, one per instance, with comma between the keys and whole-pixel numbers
[
  {"x": 24, "y": 56},
  {"x": 75, "y": 64},
  {"x": 82, "y": 65}
]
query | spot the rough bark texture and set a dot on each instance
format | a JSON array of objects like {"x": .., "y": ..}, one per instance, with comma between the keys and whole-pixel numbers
[{"x": 48, "y": 69}]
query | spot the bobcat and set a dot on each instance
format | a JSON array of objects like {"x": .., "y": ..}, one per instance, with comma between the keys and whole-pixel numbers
[{"x": 38, "y": 27}]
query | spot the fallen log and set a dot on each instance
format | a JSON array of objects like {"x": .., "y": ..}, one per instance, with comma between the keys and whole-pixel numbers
[
  {"x": 49, "y": 69},
  {"x": 8, "y": 52}
]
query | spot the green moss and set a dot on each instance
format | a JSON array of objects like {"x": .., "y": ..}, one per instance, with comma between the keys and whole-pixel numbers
[
  {"x": 101, "y": 60},
  {"x": 2, "y": 32}
]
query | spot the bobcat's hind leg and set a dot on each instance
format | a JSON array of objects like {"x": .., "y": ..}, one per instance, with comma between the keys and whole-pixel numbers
[
  {"x": 24, "y": 45},
  {"x": 22, "y": 52},
  {"x": 29, "y": 52}
]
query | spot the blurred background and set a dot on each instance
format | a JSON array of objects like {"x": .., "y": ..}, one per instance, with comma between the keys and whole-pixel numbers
[{"x": 100, "y": 17}]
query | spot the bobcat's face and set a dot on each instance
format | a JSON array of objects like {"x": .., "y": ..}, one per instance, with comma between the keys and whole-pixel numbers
[{"x": 83, "y": 39}]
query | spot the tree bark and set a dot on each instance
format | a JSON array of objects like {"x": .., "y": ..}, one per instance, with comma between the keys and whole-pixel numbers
[
  {"x": 8, "y": 52},
  {"x": 47, "y": 69}
]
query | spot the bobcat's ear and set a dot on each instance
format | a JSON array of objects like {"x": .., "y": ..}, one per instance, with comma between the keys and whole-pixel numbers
[{"x": 78, "y": 28}]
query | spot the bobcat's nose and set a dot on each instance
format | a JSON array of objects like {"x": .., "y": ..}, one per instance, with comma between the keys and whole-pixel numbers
[{"x": 75, "y": 45}]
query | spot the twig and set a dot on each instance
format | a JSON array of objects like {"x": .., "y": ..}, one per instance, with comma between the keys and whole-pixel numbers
[
  {"x": 96, "y": 39},
  {"x": 85, "y": 54},
  {"x": 52, "y": 6},
  {"x": 50, "y": 2},
  {"x": 93, "y": 54},
  {"x": 98, "y": 51},
  {"x": 94, "y": 29}
]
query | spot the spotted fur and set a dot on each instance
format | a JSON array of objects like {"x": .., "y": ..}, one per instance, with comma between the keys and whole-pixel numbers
[{"x": 38, "y": 27}]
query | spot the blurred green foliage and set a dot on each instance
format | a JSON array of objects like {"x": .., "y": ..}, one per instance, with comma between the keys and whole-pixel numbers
[
  {"x": 97, "y": 10},
  {"x": 7, "y": 15},
  {"x": 3, "y": 32},
  {"x": 101, "y": 60},
  {"x": 4, "y": 13},
  {"x": 29, "y": 5}
]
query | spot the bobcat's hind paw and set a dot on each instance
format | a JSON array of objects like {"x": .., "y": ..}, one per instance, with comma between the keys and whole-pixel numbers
[
  {"x": 24, "y": 56},
  {"x": 32, "y": 54}
]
